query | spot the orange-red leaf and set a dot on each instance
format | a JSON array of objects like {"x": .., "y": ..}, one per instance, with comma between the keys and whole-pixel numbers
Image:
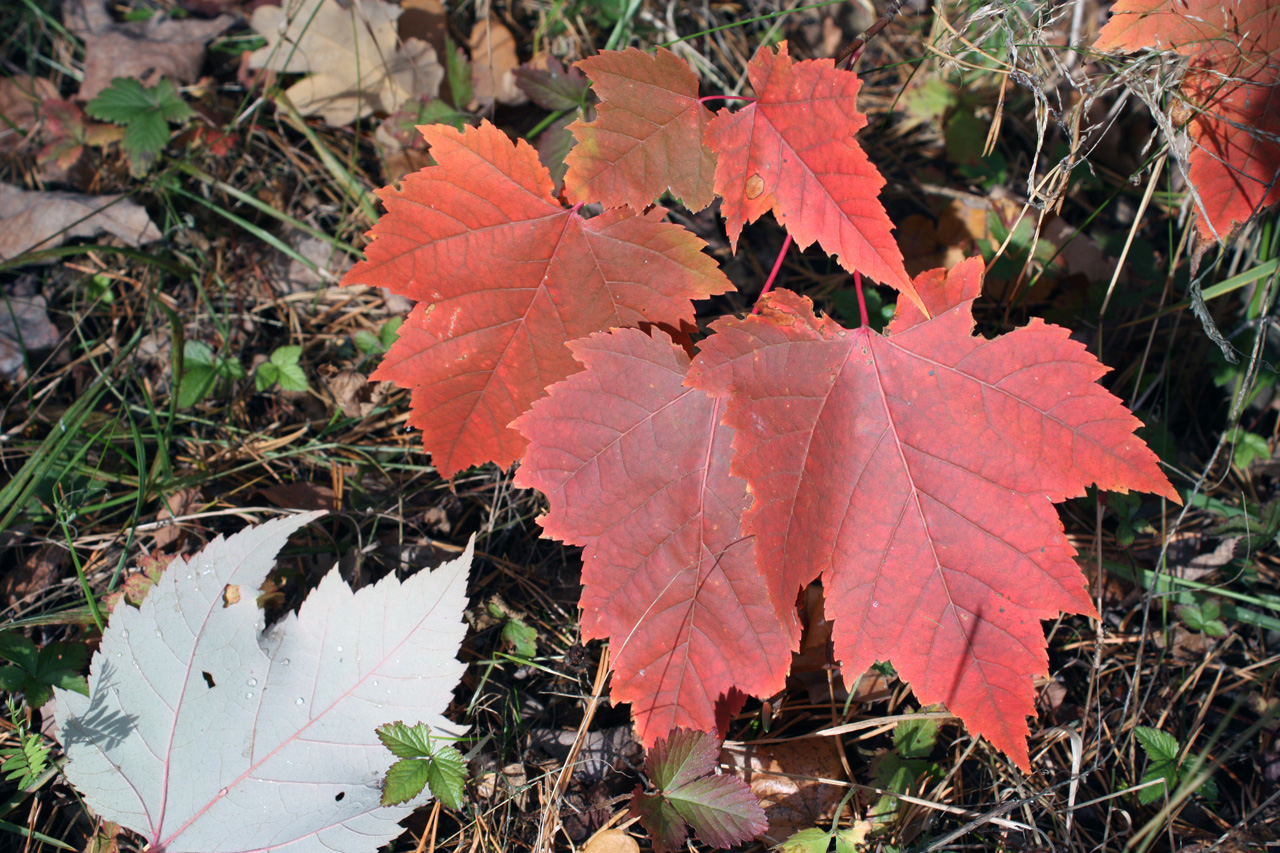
[
  {"x": 647, "y": 136},
  {"x": 916, "y": 473},
  {"x": 635, "y": 467},
  {"x": 1232, "y": 82},
  {"x": 793, "y": 152},
  {"x": 505, "y": 277}
]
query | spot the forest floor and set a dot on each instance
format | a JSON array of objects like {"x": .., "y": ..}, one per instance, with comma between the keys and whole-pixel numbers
[{"x": 182, "y": 362}]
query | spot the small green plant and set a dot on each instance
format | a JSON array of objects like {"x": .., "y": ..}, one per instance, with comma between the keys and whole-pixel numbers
[
  {"x": 26, "y": 762},
  {"x": 202, "y": 369},
  {"x": 423, "y": 762},
  {"x": 898, "y": 769},
  {"x": 1202, "y": 617},
  {"x": 282, "y": 369},
  {"x": 1165, "y": 764},
  {"x": 145, "y": 115},
  {"x": 370, "y": 344},
  {"x": 1256, "y": 531},
  {"x": 1246, "y": 447},
  {"x": 818, "y": 840},
  {"x": 1127, "y": 509},
  {"x": 35, "y": 672}
]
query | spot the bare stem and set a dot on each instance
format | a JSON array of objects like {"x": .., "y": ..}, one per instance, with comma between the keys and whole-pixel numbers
[
  {"x": 726, "y": 98},
  {"x": 862, "y": 299},
  {"x": 773, "y": 273}
]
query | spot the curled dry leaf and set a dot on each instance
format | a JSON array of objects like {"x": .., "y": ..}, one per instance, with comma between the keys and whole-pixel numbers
[
  {"x": 355, "y": 395},
  {"x": 148, "y": 50},
  {"x": 30, "y": 221},
  {"x": 353, "y": 59}
]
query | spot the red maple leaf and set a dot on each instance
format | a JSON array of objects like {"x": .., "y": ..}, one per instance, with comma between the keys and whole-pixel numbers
[
  {"x": 1232, "y": 84},
  {"x": 635, "y": 467},
  {"x": 647, "y": 137},
  {"x": 916, "y": 473},
  {"x": 505, "y": 277},
  {"x": 793, "y": 152}
]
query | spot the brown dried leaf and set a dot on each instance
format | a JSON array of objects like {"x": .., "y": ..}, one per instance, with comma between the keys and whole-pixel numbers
[
  {"x": 148, "y": 50},
  {"x": 177, "y": 504},
  {"x": 31, "y": 220},
  {"x": 611, "y": 841},
  {"x": 353, "y": 58},
  {"x": 493, "y": 64},
  {"x": 39, "y": 570},
  {"x": 24, "y": 326},
  {"x": 355, "y": 395},
  {"x": 775, "y": 774}
]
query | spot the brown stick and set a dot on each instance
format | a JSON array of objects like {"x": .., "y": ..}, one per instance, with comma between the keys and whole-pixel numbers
[{"x": 851, "y": 52}]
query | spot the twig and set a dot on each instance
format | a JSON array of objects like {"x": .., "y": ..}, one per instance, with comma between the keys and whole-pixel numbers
[{"x": 850, "y": 53}]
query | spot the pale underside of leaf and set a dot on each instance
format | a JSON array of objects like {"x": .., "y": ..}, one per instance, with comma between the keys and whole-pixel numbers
[{"x": 280, "y": 752}]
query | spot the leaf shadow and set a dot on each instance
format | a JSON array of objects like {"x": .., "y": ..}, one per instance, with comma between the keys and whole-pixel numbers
[{"x": 101, "y": 726}]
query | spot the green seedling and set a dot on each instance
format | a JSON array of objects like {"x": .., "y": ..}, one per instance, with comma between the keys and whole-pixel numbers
[
  {"x": 25, "y": 762},
  {"x": 898, "y": 769},
  {"x": 282, "y": 369},
  {"x": 1202, "y": 617},
  {"x": 145, "y": 115},
  {"x": 1256, "y": 531},
  {"x": 202, "y": 369},
  {"x": 423, "y": 762},
  {"x": 1163, "y": 753},
  {"x": 370, "y": 344},
  {"x": 1247, "y": 447}
]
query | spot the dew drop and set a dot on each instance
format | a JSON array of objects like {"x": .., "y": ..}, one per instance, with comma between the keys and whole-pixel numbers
[
  {"x": 375, "y": 684},
  {"x": 298, "y": 701},
  {"x": 222, "y": 793},
  {"x": 284, "y": 662},
  {"x": 248, "y": 695},
  {"x": 253, "y": 682},
  {"x": 125, "y": 633}
]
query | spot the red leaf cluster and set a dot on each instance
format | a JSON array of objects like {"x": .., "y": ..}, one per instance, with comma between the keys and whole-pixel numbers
[{"x": 913, "y": 472}]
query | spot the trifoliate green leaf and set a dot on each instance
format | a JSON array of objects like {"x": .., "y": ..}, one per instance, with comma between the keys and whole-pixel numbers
[
  {"x": 423, "y": 763},
  {"x": 406, "y": 741}
]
